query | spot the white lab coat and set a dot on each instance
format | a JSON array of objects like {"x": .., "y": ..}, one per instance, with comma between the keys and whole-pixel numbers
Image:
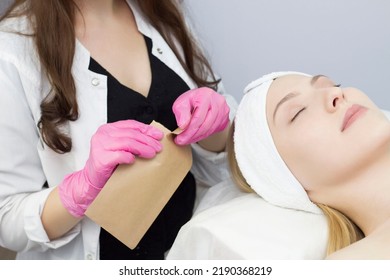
[{"x": 26, "y": 163}]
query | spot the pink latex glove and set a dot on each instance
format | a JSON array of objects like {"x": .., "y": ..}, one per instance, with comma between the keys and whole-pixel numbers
[
  {"x": 200, "y": 113},
  {"x": 112, "y": 144}
]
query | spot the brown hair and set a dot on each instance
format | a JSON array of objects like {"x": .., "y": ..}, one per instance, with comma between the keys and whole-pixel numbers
[
  {"x": 342, "y": 231},
  {"x": 54, "y": 35}
]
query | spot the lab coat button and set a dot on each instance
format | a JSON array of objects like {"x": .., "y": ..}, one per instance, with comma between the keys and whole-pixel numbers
[
  {"x": 89, "y": 257},
  {"x": 159, "y": 51},
  {"x": 95, "y": 82}
]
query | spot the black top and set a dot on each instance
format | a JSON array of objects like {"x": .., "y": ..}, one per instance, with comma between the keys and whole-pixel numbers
[{"x": 124, "y": 103}]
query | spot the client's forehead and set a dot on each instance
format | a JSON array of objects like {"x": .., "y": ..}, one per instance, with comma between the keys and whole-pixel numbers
[
  {"x": 290, "y": 80},
  {"x": 282, "y": 86}
]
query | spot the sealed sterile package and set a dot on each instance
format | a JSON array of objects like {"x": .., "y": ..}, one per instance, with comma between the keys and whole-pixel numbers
[{"x": 135, "y": 194}]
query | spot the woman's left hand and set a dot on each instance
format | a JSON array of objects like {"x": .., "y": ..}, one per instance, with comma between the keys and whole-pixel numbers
[{"x": 200, "y": 113}]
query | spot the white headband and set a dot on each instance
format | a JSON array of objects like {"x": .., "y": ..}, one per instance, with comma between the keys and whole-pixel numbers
[{"x": 257, "y": 157}]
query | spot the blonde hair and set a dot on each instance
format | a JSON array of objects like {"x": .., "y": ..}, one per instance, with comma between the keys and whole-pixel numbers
[{"x": 342, "y": 231}]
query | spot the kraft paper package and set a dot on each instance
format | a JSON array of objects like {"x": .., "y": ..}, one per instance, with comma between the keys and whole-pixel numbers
[{"x": 135, "y": 194}]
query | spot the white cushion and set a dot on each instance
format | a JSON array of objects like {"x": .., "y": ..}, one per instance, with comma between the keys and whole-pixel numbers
[{"x": 244, "y": 226}]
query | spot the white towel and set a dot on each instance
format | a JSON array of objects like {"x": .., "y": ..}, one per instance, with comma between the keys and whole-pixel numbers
[{"x": 257, "y": 157}]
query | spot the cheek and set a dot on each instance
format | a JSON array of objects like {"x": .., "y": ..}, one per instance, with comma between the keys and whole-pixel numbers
[
  {"x": 324, "y": 157},
  {"x": 307, "y": 152}
]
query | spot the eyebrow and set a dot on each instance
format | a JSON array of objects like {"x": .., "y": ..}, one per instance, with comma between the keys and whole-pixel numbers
[
  {"x": 293, "y": 94},
  {"x": 315, "y": 78}
]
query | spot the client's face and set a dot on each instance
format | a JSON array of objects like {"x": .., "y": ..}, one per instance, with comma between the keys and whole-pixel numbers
[{"x": 324, "y": 132}]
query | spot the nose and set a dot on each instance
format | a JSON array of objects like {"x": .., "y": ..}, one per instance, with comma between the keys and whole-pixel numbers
[{"x": 334, "y": 96}]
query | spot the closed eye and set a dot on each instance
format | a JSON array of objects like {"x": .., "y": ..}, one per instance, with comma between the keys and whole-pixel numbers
[
  {"x": 297, "y": 114},
  {"x": 304, "y": 108}
]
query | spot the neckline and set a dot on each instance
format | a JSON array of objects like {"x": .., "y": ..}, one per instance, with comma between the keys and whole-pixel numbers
[{"x": 103, "y": 71}]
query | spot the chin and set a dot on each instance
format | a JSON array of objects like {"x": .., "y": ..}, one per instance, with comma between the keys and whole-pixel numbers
[
  {"x": 378, "y": 125},
  {"x": 378, "y": 137},
  {"x": 369, "y": 138}
]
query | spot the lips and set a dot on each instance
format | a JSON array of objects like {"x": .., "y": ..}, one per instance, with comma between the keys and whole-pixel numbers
[{"x": 352, "y": 114}]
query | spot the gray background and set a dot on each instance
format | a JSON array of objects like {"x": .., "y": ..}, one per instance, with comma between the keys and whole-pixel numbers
[
  {"x": 4, "y": 4},
  {"x": 348, "y": 40}
]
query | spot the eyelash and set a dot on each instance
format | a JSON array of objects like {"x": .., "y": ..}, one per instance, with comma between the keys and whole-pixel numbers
[
  {"x": 296, "y": 115},
  {"x": 304, "y": 108}
]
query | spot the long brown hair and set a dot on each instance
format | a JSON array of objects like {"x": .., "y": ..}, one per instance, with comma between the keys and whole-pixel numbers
[
  {"x": 54, "y": 36},
  {"x": 342, "y": 231}
]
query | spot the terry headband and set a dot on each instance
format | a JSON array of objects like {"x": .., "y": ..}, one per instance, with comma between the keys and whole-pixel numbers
[{"x": 257, "y": 157}]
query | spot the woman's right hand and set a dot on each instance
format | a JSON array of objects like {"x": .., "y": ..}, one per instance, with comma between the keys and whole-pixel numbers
[{"x": 113, "y": 144}]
